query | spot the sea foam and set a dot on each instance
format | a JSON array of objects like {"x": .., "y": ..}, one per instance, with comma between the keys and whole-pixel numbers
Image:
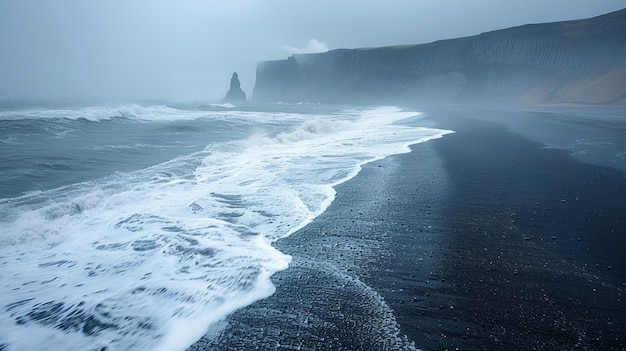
[{"x": 154, "y": 258}]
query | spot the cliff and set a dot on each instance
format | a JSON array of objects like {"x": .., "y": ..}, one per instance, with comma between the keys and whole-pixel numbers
[{"x": 581, "y": 61}]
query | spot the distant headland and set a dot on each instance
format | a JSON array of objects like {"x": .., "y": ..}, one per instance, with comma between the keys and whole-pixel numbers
[{"x": 570, "y": 62}]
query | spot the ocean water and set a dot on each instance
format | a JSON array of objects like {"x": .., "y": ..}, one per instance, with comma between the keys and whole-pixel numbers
[
  {"x": 141, "y": 226},
  {"x": 595, "y": 135}
]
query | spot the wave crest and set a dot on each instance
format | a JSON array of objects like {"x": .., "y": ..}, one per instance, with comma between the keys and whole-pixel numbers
[
  {"x": 313, "y": 128},
  {"x": 103, "y": 113}
]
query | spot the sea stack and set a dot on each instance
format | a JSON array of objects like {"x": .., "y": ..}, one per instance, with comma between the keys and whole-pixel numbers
[{"x": 235, "y": 94}]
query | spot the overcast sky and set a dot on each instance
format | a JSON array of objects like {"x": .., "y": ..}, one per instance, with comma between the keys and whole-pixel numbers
[{"x": 188, "y": 49}]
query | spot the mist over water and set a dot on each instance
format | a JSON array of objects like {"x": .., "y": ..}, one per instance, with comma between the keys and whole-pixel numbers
[
  {"x": 141, "y": 226},
  {"x": 161, "y": 50}
]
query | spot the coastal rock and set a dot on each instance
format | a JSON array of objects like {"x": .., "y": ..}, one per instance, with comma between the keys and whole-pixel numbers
[
  {"x": 571, "y": 62},
  {"x": 235, "y": 94}
]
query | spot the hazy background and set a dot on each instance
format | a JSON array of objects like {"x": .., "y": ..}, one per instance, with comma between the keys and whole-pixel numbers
[{"x": 187, "y": 50}]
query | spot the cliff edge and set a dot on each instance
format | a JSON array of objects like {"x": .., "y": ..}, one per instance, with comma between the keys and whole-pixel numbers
[{"x": 571, "y": 62}]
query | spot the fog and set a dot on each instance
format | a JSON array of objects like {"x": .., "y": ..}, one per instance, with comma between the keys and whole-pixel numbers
[{"x": 187, "y": 50}]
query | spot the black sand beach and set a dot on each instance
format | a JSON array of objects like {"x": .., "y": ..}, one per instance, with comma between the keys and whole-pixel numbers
[{"x": 481, "y": 240}]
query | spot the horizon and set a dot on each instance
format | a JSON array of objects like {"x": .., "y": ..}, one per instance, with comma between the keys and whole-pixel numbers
[{"x": 147, "y": 51}]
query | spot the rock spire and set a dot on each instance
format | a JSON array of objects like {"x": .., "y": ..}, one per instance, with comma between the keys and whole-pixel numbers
[{"x": 235, "y": 94}]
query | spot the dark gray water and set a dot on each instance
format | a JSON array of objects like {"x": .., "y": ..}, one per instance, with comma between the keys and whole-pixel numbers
[{"x": 140, "y": 226}]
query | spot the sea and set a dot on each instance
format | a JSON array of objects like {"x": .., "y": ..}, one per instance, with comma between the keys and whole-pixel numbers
[{"x": 141, "y": 226}]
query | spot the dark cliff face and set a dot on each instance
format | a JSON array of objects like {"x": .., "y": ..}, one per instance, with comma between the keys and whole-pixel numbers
[{"x": 580, "y": 61}]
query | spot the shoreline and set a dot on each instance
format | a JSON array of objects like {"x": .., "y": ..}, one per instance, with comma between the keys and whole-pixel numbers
[{"x": 478, "y": 240}]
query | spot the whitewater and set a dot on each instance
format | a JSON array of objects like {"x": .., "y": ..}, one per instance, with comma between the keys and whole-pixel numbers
[{"x": 142, "y": 226}]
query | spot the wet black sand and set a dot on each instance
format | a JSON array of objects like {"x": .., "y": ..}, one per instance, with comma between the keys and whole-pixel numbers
[{"x": 481, "y": 240}]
